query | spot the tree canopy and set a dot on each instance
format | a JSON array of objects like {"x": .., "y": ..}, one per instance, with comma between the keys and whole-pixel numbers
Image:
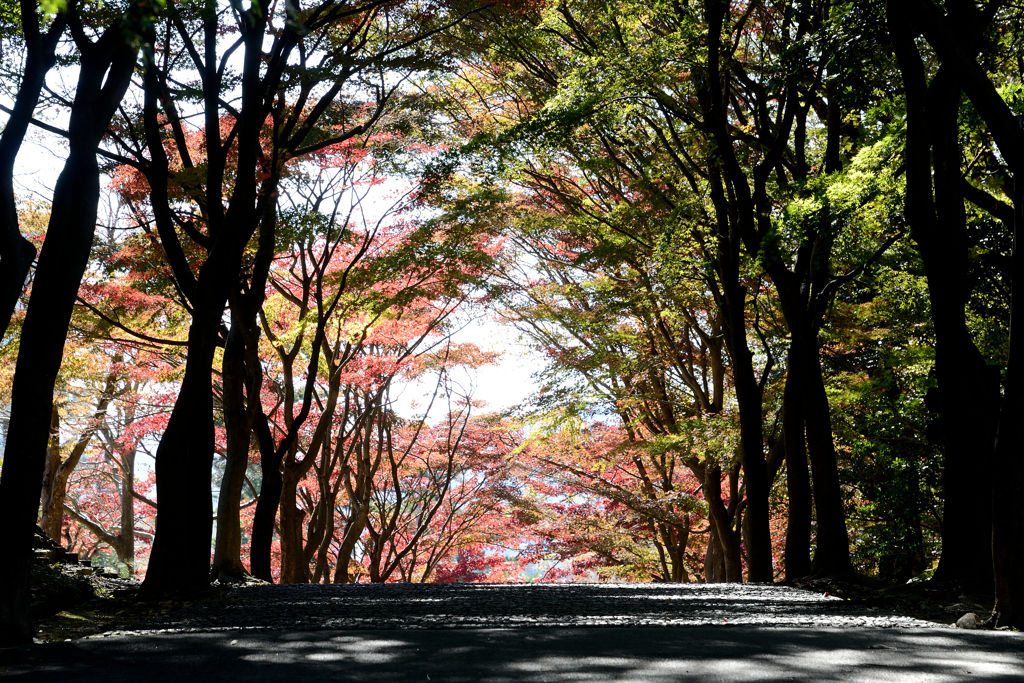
[{"x": 766, "y": 250}]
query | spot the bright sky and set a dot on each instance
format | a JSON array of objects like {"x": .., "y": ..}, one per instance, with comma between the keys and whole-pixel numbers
[
  {"x": 500, "y": 386},
  {"x": 511, "y": 382}
]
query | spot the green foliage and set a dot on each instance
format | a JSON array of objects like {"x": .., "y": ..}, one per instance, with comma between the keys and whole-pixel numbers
[{"x": 880, "y": 357}]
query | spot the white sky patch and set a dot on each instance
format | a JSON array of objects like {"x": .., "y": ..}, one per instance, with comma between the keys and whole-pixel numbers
[{"x": 501, "y": 386}]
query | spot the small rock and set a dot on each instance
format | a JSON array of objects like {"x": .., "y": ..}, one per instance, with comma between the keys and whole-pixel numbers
[{"x": 969, "y": 620}]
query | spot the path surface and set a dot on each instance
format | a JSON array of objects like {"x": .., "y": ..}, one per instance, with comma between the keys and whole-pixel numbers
[
  {"x": 526, "y": 633},
  {"x": 395, "y": 605}
]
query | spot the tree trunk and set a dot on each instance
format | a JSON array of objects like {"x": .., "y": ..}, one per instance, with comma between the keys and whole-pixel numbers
[
  {"x": 957, "y": 48},
  {"x": 734, "y": 211},
  {"x": 126, "y": 547},
  {"x": 714, "y": 559},
  {"x": 798, "y": 483},
  {"x": 677, "y": 552},
  {"x": 262, "y": 537},
  {"x": 52, "y": 498},
  {"x": 180, "y": 560},
  {"x": 62, "y": 263},
  {"x": 728, "y": 558},
  {"x": 832, "y": 543},
  {"x": 968, "y": 426},
  {"x": 967, "y": 391},
  {"x": 57, "y": 472},
  {"x": 16, "y": 252},
  {"x": 241, "y": 372},
  {"x": 293, "y": 567},
  {"x": 322, "y": 572},
  {"x": 756, "y": 535},
  {"x": 1008, "y": 468},
  {"x": 227, "y": 562}
]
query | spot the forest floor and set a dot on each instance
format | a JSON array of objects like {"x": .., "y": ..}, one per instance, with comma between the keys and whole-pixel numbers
[{"x": 116, "y": 606}]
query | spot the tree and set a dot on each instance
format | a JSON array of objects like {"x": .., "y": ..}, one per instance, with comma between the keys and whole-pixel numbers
[
  {"x": 106, "y": 503},
  {"x": 616, "y": 506},
  {"x": 334, "y": 45},
  {"x": 716, "y": 133},
  {"x": 106, "y": 66},
  {"x": 16, "y": 252},
  {"x": 933, "y": 151}
]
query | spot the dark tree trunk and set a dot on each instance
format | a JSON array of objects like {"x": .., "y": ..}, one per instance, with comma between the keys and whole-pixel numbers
[
  {"x": 714, "y": 560},
  {"x": 322, "y": 572},
  {"x": 262, "y": 536},
  {"x": 296, "y": 552},
  {"x": 967, "y": 426},
  {"x": 807, "y": 423},
  {"x": 294, "y": 569},
  {"x": 804, "y": 289},
  {"x": 737, "y": 228},
  {"x": 62, "y": 263},
  {"x": 832, "y": 543},
  {"x": 16, "y": 252},
  {"x": 798, "y": 482},
  {"x": 353, "y": 530},
  {"x": 227, "y": 562},
  {"x": 957, "y": 37},
  {"x": 1008, "y": 468},
  {"x": 241, "y": 371},
  {"x": 967, "y": 390},
  {"x": 677, "y": 552},
  {"x": 727, "y": 557},
  {"x": 756, "y": 535},
  {"x": 180, "y": 559}
]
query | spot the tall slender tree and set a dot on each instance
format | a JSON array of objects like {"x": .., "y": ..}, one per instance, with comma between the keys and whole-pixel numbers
[{"x": 106, "y": 67}]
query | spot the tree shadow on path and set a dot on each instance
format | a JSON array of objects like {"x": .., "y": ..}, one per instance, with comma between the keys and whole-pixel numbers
[{"x": 649, "y": 654}]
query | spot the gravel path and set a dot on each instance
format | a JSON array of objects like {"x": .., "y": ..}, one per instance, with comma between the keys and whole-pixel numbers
[{"x": 433, "y": 606}]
